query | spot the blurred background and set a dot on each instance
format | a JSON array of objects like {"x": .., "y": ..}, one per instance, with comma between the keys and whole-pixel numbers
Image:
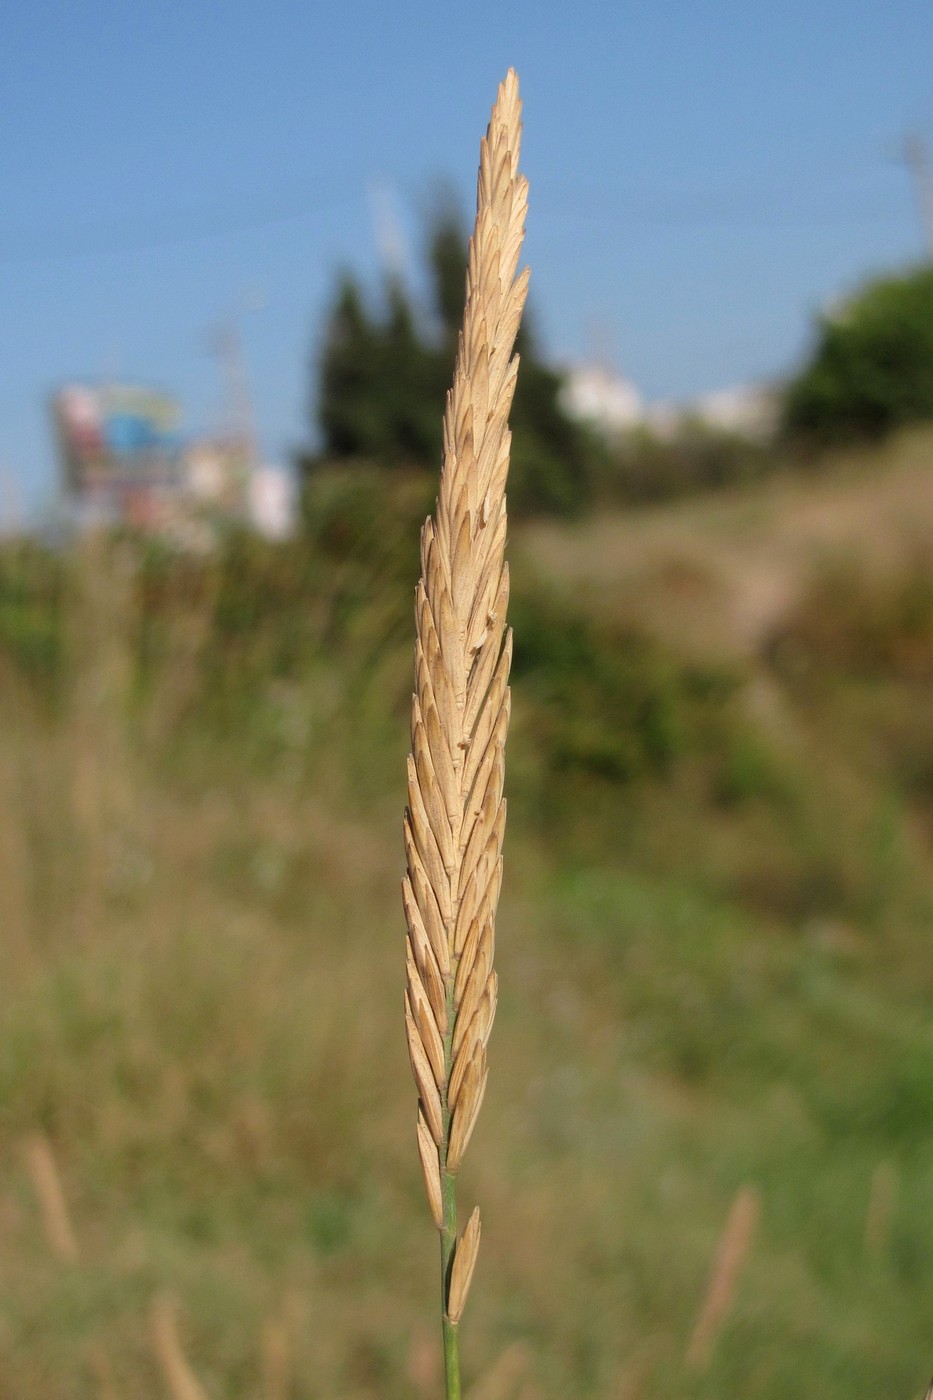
[{"x": 232, "y": 252}]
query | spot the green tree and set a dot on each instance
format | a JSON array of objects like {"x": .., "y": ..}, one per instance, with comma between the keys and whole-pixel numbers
[
  {"x": 374, "y": 379},
  {"x": 383, "y": 377},
  {"x": 872, "y": 368},
  {"x": 344, "y": 401},
  {"x": 406, "y": 372},
  {"x": 446, "y": 251}
]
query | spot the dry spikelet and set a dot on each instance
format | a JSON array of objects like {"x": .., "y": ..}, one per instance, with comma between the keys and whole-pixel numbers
[
  {"x": 732, "y": 1251},
  {"x": 461, "y": 1275},
  {"x": 455, "y": 818},
  {"x": 431, "y": 1169},
  {"x": 48, "y": 1188}
]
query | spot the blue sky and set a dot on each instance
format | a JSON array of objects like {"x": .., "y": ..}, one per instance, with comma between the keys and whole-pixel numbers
[{"x": 704, "y": 176}]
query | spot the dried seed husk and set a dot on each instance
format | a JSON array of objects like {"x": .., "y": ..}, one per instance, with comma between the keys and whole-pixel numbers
[
  {"x": 430, "y": 1099},
  {"x": 469, "y": 1102},
  {"x": 431, "y": 1170},
  {"x": 461, "y": 1273}
]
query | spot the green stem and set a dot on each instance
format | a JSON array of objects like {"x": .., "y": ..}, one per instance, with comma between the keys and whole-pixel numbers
[
  {"x": 449, "y": 1226},
  {"x": 448, "y": 1240}
]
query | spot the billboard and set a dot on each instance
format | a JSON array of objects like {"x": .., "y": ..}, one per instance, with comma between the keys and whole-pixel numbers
[{"x": 115, "y": 439}]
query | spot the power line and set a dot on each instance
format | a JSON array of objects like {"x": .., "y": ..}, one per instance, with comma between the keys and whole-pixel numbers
[
  {"x": 54, "y": 244},
  {"x": 724, "y": 208}
]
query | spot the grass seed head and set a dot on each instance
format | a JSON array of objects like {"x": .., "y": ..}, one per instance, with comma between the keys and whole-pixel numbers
[{"x": 455, "y": 820}]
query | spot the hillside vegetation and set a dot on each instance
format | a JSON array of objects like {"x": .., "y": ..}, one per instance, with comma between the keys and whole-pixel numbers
[{"x": 713, "y": 956}]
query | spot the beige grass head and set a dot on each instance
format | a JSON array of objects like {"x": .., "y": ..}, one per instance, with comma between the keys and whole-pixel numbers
[{"x": 460, "y": 709}]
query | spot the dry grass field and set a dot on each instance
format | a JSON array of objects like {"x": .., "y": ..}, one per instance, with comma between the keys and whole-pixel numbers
[
  {"x": 705, "y": 1157},
  {"x": 722, "y": 569}
]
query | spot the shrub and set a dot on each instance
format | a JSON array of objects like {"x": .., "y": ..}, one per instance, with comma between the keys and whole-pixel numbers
[
  {"x": 604, "y": 701},
  {"x": 849, "y": 623},
  {"x": 872, "y": 369},
  {"x": 644, "y": 466}
]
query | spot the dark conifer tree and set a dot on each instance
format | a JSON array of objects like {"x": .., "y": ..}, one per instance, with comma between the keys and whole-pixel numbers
[{"x": 383, "y": 380}]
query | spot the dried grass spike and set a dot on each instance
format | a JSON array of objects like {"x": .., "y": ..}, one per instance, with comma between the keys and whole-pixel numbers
[{"x": 455, "y": 821}]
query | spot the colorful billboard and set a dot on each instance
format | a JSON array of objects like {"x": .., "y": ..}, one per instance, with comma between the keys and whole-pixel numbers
[{"x": 116, "y": 438}]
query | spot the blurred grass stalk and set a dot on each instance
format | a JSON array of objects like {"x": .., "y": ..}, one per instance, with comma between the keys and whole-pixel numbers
[
  {"x": 460, "y": 712},
  {"x": 46, "y": 1181},
  {"x": 179, "y": 1378},
  {"x": 731, "y": 1255}
]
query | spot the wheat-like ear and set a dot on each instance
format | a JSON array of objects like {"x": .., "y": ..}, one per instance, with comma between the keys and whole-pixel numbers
[{"x": 460, "y": 713}]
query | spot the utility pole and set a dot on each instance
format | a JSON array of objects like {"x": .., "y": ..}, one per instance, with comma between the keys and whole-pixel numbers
[
  {"x": 241, "y": 434},
  {"x": 917, "y": 159}
]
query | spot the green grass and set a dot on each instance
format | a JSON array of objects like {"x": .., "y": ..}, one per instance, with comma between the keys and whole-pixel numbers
[{"x": 714, "y": 970}]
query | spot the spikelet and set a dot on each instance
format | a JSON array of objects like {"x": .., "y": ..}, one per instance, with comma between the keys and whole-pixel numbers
[
  {"x": 461, "y": 1274},
  {"x": 455, "y": 819}
]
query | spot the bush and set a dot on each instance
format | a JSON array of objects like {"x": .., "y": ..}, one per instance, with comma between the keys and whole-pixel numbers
[
  {"x": 605, "y": 702},
  {"x": 849, "y": 623},
  {"x": 30, "y": 610},
  {"x": 872, "y": 369},
  {"x": 644, "y": 466}
]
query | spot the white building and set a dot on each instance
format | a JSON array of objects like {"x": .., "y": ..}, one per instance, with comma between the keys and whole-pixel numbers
[
  {"x": 611, "y": 403},
  {"x": 749, "y": 410},
  {"x": 597, "y": 395},
  {"x": 272, "y": 502}
]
